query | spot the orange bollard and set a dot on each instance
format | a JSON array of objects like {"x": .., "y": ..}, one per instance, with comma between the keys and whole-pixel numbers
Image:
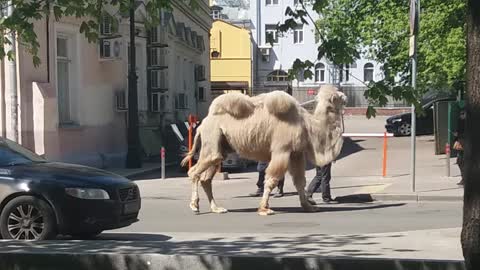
[{"x": 384, "y": 173}]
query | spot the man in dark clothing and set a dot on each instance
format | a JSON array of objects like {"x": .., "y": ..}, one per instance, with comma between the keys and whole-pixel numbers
[
  {"x": 321, "y": 180},
  {"x": 261, "y": 167},
  {"x": 458, "y": 145}
]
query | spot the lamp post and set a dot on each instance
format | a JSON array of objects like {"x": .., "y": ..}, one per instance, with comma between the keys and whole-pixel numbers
[{"x": 134, "y": 157}]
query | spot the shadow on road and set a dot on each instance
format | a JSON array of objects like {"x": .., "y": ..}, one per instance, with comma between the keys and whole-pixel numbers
[{"x": 320, "y": 208}]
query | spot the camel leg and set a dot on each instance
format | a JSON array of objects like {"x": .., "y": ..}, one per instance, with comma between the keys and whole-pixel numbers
[
  {"x": 194, "y": 203},
  {"x": 207, "y": 187},
  {"x": 297, "y": 170},
  {"x": 275, "y": 171}
]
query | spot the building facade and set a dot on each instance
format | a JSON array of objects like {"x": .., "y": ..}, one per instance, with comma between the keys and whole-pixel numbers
[
  {"x": 73, "y": 107},
  {"x": 231, "y": 58},
  {"x": 271, "y": 63}
]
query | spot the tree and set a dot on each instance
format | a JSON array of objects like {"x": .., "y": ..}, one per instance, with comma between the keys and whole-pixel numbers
[
  {"x": 26, "y": 12},
  {"x": 470, "y": 237},
  {"x": 379, "y": 30},
  {"x": 89, "y": 12}
]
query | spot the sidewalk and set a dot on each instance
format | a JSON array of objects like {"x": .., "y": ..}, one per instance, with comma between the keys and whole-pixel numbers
[
  {"x": 440, "y": 244},
  {"x": 147, "y": 167},
  {"x": 396, "y": 188}
]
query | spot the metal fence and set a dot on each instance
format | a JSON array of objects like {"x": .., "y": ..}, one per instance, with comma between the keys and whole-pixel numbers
[{"x": 355, "y": 95}]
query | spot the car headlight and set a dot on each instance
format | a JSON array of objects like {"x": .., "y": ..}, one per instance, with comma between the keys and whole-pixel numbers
[{"x": 88, "y": 193}]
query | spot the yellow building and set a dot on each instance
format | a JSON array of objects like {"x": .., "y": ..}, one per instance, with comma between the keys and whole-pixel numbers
[{"x": 231, "y": 58}]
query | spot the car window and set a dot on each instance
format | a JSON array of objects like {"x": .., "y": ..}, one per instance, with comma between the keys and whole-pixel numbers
[{"x": 14, "y": 154}]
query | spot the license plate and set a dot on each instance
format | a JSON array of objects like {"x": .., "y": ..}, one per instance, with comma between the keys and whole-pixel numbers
[{"x": 130, "y": 208}]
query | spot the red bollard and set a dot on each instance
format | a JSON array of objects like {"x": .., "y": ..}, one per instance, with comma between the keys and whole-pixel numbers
[
  {"x": 162, "y": 156},
  {"x": 384, "y": 167},
  {"x": 447, "y": 158}
]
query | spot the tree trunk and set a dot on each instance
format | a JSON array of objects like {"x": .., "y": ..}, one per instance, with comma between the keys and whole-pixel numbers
[{"x": 471, "y": 210}]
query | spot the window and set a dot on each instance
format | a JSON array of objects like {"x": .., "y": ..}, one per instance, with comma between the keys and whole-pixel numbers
[
  {"x": 344, "y": 73},
  {"x": 296, "y": 2},
  {"x": 181, "y": 101},
  {"x": 106, "y": 25},
  {"x": 121, "y": 100},
  {"x": 156, "y": 35},
  {"x": 63, "y": 80},
  {"x": 298, "y": 35},
  {"x": 215, "y": 14},
  {"x": 157, "y": 57},
  {"x": 201, "y": 94},
  {"x": 271, "y": 34},
  {"x": 271, "y": 2},
  {"x": 277, "y": 76},
  {"x": 159, "y": 79},
  {"x": 320, "y": 72},
  {"x": 158, "y": 102},
  {"x": 368, "y": 72},
  {"x": 347, "y": 73},
  {"x": 194, "y": 39}
]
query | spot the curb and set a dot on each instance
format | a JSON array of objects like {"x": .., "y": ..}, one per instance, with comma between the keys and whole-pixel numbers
[
  {"x": 112, "y": 261},
  {"x": 146, "y": 170},
  {"x": 416, "y": 197}
]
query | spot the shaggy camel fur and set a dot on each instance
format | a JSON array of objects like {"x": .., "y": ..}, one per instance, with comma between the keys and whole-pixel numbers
[{"x": 269, "y": 127}]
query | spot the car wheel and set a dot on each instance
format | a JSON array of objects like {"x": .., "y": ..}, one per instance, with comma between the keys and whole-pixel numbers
[
  {"x": 405, "y": 129},
  {"x": 27, "y": 218},
  {"x": 86, "y": 235}
]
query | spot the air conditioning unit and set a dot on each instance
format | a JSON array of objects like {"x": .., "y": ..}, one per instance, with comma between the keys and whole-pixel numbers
[
  {"x": 200, "y": 73},
  {"x": 110, "y": 49},
  {"x": 265, "y": 51},
  {"x": 121, "y": 101}
]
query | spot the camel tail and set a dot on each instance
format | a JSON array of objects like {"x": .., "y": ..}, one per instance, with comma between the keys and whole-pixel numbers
[{"x": 192, "y": 152}]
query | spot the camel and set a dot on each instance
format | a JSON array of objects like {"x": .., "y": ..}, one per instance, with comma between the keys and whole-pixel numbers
[{"x": 268, "y": 127}]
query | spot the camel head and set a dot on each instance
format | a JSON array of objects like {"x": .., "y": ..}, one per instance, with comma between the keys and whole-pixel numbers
[
  {"x": 325, "y": 125},
  {"x": 329, "y": 98}
]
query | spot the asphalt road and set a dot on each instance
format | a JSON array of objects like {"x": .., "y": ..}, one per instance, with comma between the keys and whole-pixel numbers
[{"x": 171, "y": 215}]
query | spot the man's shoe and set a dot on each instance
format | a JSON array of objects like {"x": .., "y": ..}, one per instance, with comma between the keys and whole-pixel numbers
[
  {"x": 257, "y": 193},
  {"x": 460, "y": 183},
  {"x": 311, "y": 200},
  {"x": 328, "y": 200},
  {"x": 279, "y": 194}
]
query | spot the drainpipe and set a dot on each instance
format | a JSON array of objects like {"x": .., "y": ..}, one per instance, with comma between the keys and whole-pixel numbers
[
  {"x": 259, "y": 41},
  {"x": 12, "y": 86},
  {"x": 48, "y": 45}
]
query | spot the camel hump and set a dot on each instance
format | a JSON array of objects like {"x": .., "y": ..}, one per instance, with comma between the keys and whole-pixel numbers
[
  {"x": 236, "y": 104},
  {"x": 279, "y": 103}
]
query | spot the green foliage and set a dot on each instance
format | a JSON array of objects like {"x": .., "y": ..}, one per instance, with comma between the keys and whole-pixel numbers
[
  {"x": 89, "y": 11},
  {"x": 379, "y": 30}
]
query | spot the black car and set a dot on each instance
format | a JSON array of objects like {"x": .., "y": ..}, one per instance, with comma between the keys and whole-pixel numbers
[
  {"x": 40, "y": 199},
  {"x": 401, "y": 124}
]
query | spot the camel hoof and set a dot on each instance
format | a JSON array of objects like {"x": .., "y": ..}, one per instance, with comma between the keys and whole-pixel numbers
[
  {"x": 194, "y": 208},
  {"x": 219, "y": 210},
  {"x": 266, "y": 212}
]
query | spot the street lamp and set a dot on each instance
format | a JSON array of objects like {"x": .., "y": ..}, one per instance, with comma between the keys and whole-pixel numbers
[{"x": 134, "y": 157}]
